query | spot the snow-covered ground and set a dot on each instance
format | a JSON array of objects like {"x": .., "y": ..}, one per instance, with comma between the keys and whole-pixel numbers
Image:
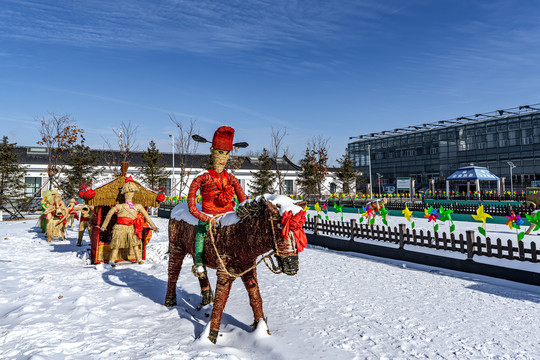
[{"x": 53, "y": 305}]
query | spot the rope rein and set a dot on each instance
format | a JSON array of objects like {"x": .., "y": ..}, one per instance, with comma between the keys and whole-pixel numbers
[{"x": 275, "y": 269}]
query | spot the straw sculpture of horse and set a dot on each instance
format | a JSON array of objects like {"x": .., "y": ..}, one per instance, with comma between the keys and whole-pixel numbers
[{"x": 233, "y": 249}]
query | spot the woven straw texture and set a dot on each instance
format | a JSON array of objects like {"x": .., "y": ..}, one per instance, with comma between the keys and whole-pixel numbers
[{"x": 109, "y": 194}]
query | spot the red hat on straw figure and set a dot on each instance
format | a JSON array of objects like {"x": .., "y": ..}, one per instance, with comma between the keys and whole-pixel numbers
[{"x": 217, "y": 187}]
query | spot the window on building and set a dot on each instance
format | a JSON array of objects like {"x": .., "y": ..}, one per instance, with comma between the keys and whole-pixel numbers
[
  {"x": 491, "y": 129},
  {"x": 513, "y": 124},
  {"x": 32, "y": 185},
  {"x": 333, "y": 188},
  {"x": 289, "y": 187},
  {"x": 166, "y": 187}
]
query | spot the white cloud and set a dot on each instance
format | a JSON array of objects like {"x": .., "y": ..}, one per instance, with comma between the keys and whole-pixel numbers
[{"x": 203, "y": 26}]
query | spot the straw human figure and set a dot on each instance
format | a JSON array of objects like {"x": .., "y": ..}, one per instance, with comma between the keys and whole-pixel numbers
[
  {"x": 127, "y": 232},
  {"x": 87, "y": 213},
  {"x": 217, "y": 188},
  {"x": 72, "y": 212},
  {"x": 56, "y": 214},
  {"x": 45, "y": 203}
]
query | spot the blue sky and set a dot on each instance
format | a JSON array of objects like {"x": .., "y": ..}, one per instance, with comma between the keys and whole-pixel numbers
[{"x": 319, "y": 68}]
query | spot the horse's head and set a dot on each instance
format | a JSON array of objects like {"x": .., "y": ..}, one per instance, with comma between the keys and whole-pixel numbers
[{"x": 289, "y": 236}]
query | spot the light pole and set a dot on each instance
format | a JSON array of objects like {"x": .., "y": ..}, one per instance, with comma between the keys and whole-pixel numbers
[
  {"x": 379, "y": 177},
  {"x": 172, "y": 182},
  {"x": 511, "y": 164},
  {"x": 370, "y": 182}
]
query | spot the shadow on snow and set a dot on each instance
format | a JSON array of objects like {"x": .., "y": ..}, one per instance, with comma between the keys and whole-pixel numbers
[{"x": 154, "y": 289}]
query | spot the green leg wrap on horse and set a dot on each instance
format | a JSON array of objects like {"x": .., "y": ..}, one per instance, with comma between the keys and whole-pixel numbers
[{"x": 202, "y": 229}]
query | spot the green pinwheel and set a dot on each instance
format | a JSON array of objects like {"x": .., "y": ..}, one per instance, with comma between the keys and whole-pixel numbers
[
  {"x": 534, "y": 220},
  {"x": 383, "y": 213},
  {"x": 338, "y": 209},
  {"x": 446, "y": 215}
]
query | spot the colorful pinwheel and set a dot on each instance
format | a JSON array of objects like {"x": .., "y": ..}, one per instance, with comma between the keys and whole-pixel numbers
[
  {"x": 325, "y": 211},
  {"x": 481, "y": 216},
  {"x": 368, "y": 214},
  {"x": 446, "y": 216},
  {"x": 512, "y": 221},
  {"x": 515, "y": 222},
  {"x": 383, "y": 212},
  {"x": 339, "y": 209},
  {"x": 431, "y": 214},
  {"x": 318, "y": 209},
  {"x": 534, "y": 219},
  {"x": 306, "y": 208},
  {"x": 408, "y": 215}
]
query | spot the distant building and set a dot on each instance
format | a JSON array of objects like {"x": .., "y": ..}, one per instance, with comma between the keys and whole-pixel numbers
[
  {"x": 36, "y": 158},
  {"x": 429, "y": 153}
]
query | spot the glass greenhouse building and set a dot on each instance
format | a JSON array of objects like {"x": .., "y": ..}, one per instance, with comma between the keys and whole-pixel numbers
[{"x": 504, "y": 141}]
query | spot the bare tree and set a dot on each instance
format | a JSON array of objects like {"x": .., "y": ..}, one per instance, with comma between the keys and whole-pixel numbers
[
  {"x": 127, "y": 143},
  {"x": 58, "y": 134},
  {"x": 277, "y": 147},
  {"x": 184, "y": 147}
]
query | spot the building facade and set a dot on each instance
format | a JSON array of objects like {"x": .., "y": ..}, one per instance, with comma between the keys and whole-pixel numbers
[
  {"x": 36, "y": 161},
  {"x": 503, "y": 141}
]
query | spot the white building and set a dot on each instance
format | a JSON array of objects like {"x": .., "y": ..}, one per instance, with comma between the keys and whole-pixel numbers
[{"x": 36, "y": 159}]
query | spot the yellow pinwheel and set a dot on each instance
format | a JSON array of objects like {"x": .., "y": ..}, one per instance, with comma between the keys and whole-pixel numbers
[
  {"x": 317, "y": 207},
  {"x": 481, "y": 215},
  {"x": 407, "y": 213}
]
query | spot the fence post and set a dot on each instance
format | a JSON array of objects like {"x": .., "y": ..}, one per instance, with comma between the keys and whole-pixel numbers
[
  {"x": 401, "y": 235},
  {"x": 470, "y": 239},
  {"x": 353, "y": 228},
  {"x": 316, "y": 226}
]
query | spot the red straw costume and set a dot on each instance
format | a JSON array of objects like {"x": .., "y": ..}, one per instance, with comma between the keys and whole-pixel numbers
[{"x": 217, "y": 191}]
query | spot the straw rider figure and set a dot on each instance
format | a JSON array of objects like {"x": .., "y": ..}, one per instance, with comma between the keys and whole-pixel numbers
[
  {"x": 217, "y": 187},
  {"x": 127, "y": 232}
]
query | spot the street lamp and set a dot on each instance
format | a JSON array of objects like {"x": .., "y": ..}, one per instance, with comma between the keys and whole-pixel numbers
[
  {"x": 379, "y": 177},
  {"x": 172, "y": 183},
  {"x": 511, "y": 164},
  {"x": 370, "y": 182}
]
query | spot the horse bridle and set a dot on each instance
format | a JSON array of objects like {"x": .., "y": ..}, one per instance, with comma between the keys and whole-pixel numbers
[{"x": 272, "y": 266}]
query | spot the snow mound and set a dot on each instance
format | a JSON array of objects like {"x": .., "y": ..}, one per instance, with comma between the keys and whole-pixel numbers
[
  {"x": 285, "y": 203},
  {"x": 181, "y": 212}
]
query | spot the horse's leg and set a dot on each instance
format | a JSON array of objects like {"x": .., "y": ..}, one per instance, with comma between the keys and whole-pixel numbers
[
  {"x": 223, "y": 287},
  {"x": 206, "y": 292},
  {"x": 176, "y": 257},
  {"x": 255, "y": 300}
]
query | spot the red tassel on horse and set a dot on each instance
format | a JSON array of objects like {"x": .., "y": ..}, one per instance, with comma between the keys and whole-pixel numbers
[{"x": 295, "y": 224}]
